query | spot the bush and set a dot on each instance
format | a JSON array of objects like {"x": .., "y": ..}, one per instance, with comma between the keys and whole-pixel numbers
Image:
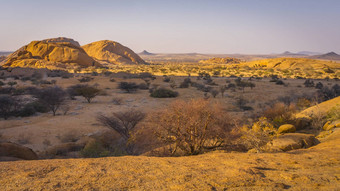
[
  {"x": 177, "y": 124},
  {"x": 73, "y": 90},
  {"x": 9, "y": 106},
  {"x": 214, "y": 92},
  {"x": 319, "y": 86},
  {"x": 185, "y": 83},
  {"x": 309, "y": 83},
  {"x": 279, "y": 82},
  {"x": 166, "y": 79},
  {"x": 85, "y": 79},
  {"x": 123, "y": 123},
  {"x": 38, "y": 106},
  {"x": 143, "y": 86},
  {"x": 128, "y": 86},
  {"x": 280, "y": 114},
  {"x": 94, "y": 149},
  {"x": 52, "y": 97},
  {"x": 28, "y": 110},
  {"x": 88, "y": 92},
  {"x": 163, "y": 93}
]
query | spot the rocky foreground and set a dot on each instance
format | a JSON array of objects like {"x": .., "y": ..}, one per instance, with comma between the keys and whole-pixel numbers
[{"x": 316, "y": 168}]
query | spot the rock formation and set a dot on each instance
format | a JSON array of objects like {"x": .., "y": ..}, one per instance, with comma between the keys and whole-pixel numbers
[
  {"x": 112, "y": 52},
  {"x": 50, "y": 53}
]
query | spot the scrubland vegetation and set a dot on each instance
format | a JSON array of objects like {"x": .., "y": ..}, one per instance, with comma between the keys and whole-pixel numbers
[{"x": 178, "y": 116}]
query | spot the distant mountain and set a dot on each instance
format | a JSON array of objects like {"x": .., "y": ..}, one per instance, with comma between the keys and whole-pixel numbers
[
  {"x": 146, "y": 53},
  {"x": 5, "y": 53},
  {"x": 287, "y": 53},
  {"x": 309, "y": 53},
  {"x": 327, "y": 56}
]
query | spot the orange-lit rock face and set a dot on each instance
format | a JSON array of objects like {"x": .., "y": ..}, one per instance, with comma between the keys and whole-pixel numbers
[
  {"x": 112, "y": 52},
  {"x": 43, "y": 54}
]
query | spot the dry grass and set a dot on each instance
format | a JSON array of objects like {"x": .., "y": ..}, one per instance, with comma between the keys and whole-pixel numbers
[{"x": 316, "y": 168}]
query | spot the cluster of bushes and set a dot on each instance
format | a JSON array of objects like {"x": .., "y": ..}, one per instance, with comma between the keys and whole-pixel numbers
[
  {"x": 163, "y": 93},
  {"x": 13, "y": 106}
]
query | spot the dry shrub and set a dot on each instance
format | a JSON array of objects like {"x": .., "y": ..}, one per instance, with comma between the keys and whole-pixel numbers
[
  {"x": 280, "y": 114},
  {"x": 258, "y": 135},
  {"x": 190, "y": 128},
  {"x": 69, "y": 136}
]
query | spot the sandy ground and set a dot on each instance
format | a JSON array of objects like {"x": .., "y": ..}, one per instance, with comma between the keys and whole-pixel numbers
[
  {"x": 81, "y": 119},
  {"x": 316, "y": 168}
]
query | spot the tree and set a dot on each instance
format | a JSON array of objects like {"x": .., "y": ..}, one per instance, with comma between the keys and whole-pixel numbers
[
  {"x": 214, "y": 92},
  {"x": 7, "y": 106},
  {"x": 192, "y": 127},
  {"x": 52, "y": 97},
  {"x": 88, "y": 92},
  {"x": 123, "y": 123},
  {"x": 128, "y": 86},
  {"x": 223, "y": 88}
]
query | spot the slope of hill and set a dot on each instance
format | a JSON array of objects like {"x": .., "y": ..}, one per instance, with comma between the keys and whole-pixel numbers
[
  {"x": 291, "y": 63},
  {"x": 327, "y": 56},
  {"x": 112, "y": 52},
  {"x": 319, "y": 109},
  {"x": 316, "y": 168},
  {"x": 49, "y": 53}
]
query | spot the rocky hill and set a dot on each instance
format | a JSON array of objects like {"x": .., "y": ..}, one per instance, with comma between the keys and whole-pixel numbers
[
  {"x": 50, "y": 53},
  {"x": 112, "y": 52},
  {"x": 327, "y": 56},
  {"x": 226, "y": 60}
]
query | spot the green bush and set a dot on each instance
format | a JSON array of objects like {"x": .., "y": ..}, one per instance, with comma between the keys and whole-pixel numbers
[
  {"x": 163, "y": 93},
  {"x": 94, "y": 149}
]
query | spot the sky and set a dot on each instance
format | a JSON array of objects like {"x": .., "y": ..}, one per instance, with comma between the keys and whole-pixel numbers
[{"x": 173, "y": 26}]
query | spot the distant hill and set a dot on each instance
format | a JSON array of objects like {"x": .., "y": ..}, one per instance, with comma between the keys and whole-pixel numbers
[
  {"x": 112, "y": 52},
  {"x": 5, "y": 53},
  {"x": 309, "y": 53},
  {"x": 291, "y": 63},
  {"x": 146, "y": 53},
  {"x": 327, "y": 56},
  {"x": 287, "y": 54}
]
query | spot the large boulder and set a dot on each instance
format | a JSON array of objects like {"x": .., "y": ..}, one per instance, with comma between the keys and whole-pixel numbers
[
  {"x": 50, "y": 53},
  {"x": 12, "y": 150},
  {"x": 112, "y": 52},
  {"x": 286, "y": 128},
  {"x": 291, "y": 141}
]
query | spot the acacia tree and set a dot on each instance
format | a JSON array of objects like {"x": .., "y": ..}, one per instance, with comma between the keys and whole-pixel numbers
[
  {"x": 88, "y": 92},
  {"x": 52, "y": 97},
  {"x": 192, "y": 127}
]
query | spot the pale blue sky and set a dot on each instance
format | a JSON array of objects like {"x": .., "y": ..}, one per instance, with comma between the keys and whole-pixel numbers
[{"x": 173, "y": 26}]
